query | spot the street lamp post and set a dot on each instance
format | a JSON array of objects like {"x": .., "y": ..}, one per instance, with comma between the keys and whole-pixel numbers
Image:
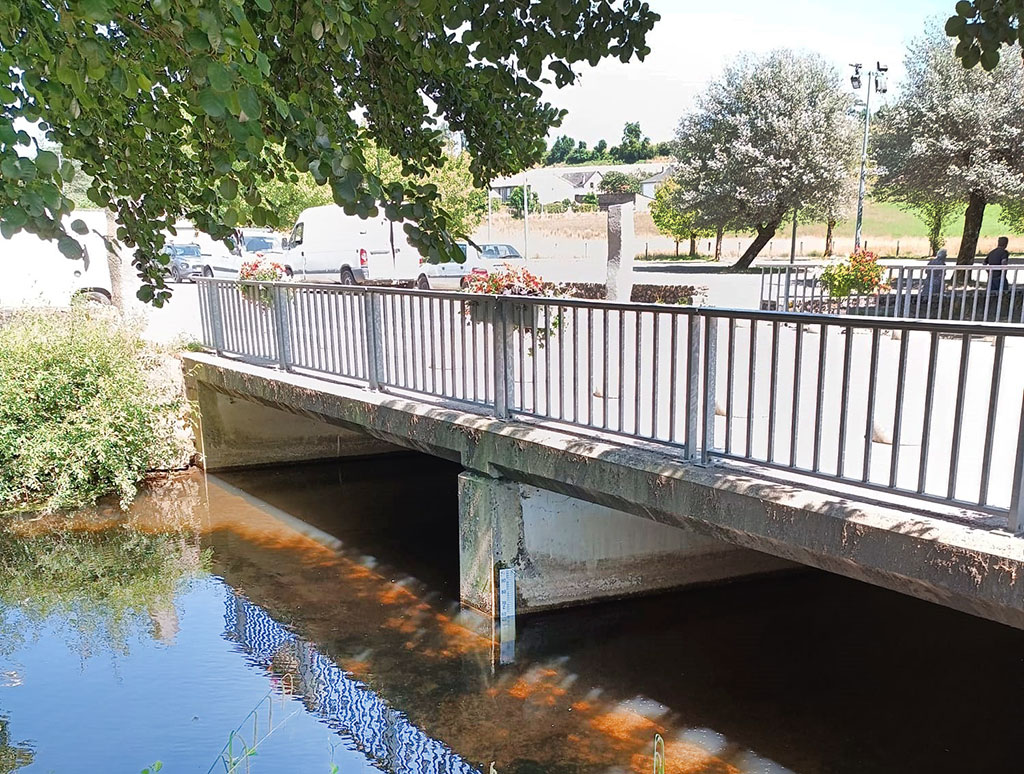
[{"x": 876, "y": 77}]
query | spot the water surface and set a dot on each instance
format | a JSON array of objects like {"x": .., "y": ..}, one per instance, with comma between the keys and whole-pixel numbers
[{"x": 311, "y": 609}]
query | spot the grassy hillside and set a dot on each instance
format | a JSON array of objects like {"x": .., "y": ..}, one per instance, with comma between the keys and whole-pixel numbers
[{"x": 886, "y": 220}]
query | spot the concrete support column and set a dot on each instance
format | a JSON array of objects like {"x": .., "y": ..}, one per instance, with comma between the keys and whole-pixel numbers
[
  {"x": 621, "y": 253},
  {"x": 568, "y": 551}
]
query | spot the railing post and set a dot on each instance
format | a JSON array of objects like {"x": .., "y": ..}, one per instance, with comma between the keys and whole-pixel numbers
[
  {"x": 283, "y": 326},
  {"x": 504, "y": 378},
  {"x": 1016, "y": 514},
  {"x": 374, "y": 320},
  {"x": 216, "y": 319},
  {"x": 709, "y": 388},
  {"x": 693, "y": 384}
]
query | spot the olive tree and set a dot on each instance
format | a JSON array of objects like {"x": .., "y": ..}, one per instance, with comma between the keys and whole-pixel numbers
[
  {"x": 953, "y": 135},
  {"x": 772, "y": 135},
  {"x": 175, "y": 108}
]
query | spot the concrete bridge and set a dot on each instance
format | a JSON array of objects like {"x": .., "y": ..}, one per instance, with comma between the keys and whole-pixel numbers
[{"x": 614, "y": 449}]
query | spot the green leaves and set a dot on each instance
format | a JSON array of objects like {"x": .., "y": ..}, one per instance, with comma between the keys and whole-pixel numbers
[
  {"x": 69, "y": 247},
  {"x": 207, "y": 107},
  {"x": 79, "y": 227},
  {"x": 212, "y": 103},
  {"x": 219, "y": 77},
  {"x": 47, "y": 162},
  {"x": 227, "y": 188}
]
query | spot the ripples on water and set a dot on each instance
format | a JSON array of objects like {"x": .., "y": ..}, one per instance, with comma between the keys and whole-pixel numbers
[{"x": 310, "y": 610}]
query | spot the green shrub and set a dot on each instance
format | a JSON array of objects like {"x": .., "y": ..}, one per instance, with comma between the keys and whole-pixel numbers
[
  {"x": 86, "y": 408},
  {"x": 555, "y": 208}
]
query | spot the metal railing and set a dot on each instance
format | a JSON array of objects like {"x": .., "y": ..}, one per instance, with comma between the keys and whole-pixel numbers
[
  {"x": 923, "y": 408},
  {"x": 949, "y": 292}
]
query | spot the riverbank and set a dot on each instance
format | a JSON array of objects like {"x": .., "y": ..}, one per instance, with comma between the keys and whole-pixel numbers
[{"x": 88, "y": 408}]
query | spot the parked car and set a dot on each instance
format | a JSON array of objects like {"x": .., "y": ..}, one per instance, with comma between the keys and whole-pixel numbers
[
  {"x": 451, "y": 275},
  {"x": 326, "y": 244},
  {"x": 262, "y": 244},
  {"x": 500, "y": 252},
  {"x": 186, "y": 261}
]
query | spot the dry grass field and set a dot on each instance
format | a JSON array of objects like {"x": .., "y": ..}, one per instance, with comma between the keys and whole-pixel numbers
[{"x": 583, "y": 235}]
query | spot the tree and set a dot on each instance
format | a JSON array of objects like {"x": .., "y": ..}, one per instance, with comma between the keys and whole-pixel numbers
[
  {"x": 601, "y": 149},
  {"x": 174, "y": 107},
  {"x": 635, "y": 147},
  {"x": 984, "y": 27},
  {"x": 953, "y": 135},
  {"x": 772, "y": 135},
  {"x": 621, "y": 182},
  {"x": 936, "y": 215},
  {"x": 515, "y": 202},
  {"x": 663, "y": 149},
  {"x": 672, "y": 219},
  {"x": 834, "y": 206},
  {"x": 1013, "y": 216},
  {"x": 560, "y": 150},
  {"x": 579, "y": 154}
]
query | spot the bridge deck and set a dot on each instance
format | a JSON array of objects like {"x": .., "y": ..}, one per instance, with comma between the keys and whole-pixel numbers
[{"x": 951, "y": 556}]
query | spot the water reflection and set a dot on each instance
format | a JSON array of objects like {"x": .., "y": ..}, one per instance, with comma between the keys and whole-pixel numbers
[
  {"x": 332, "y": 594},
  {"x": 12, "y": 756},
  {"x": 379, "y": 731}
]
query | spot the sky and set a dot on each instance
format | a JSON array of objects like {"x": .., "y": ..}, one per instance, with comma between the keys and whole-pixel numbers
[{"x": 695, "y": 40}]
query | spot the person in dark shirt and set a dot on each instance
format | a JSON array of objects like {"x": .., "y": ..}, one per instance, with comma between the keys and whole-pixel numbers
[{"x": 998, "y": 257}]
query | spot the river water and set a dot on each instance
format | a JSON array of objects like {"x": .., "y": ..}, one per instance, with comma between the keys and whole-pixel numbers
[{"x": 303, "y": 619}]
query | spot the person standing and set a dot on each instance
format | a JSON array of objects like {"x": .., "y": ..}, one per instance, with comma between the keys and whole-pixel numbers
[
  {"x": 998, "y": 257},
  {"x": 935, "y": 279}
]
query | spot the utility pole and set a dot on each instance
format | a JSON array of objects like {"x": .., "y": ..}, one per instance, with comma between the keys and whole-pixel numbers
[
  {"x": 488, "y": 212},
  {"x": 876, "y": 77},
  {"x": 792, "y": 244},
  {"x": 526, "y": 217}
]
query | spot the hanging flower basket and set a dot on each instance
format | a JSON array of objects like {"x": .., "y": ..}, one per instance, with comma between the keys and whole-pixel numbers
[
  {"x": 514, "y": 281},
  {"x": 859, "y": 274},
  {"x": 260, "y": 270}
]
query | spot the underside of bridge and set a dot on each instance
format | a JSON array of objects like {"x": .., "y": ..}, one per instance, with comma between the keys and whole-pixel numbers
[{"x": 581, "y": 519}]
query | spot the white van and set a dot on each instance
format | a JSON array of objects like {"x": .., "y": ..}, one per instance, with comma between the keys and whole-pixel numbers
[
  {"x": 37, "y": 274},
  {"x": 326, "y": 244}
]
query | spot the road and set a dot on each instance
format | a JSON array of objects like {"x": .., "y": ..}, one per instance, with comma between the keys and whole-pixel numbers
[{"x": 180, "y": 318}]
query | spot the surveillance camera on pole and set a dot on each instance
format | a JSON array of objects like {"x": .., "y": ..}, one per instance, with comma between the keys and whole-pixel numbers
[{"x": 878, "y": 77}]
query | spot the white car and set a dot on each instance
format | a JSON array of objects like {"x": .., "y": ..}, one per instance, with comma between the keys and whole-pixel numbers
[
  {"x": 454, "y": 276},
  {"x": 262, "y": 244},
  {"x": 451, "y": 275}
]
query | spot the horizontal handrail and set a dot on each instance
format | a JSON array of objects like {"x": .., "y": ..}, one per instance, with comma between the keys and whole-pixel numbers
[{"x": 924, "y": 408}]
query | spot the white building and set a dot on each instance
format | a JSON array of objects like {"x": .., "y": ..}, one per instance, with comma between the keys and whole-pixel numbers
[{"x": 651, "y": 185}]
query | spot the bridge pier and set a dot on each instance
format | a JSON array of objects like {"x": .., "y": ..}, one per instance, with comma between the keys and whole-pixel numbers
[{"x": 568, "y": 551}]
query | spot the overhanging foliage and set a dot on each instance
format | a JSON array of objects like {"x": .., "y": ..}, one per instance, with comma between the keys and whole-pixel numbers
[{"x": 173, "y": 106}]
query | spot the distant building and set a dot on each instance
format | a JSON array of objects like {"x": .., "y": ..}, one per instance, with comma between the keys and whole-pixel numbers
[
  {"x": 584, "y": 182},
  {"x": 650, "y": 186},
  {"x": 550, "y": 184}
]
